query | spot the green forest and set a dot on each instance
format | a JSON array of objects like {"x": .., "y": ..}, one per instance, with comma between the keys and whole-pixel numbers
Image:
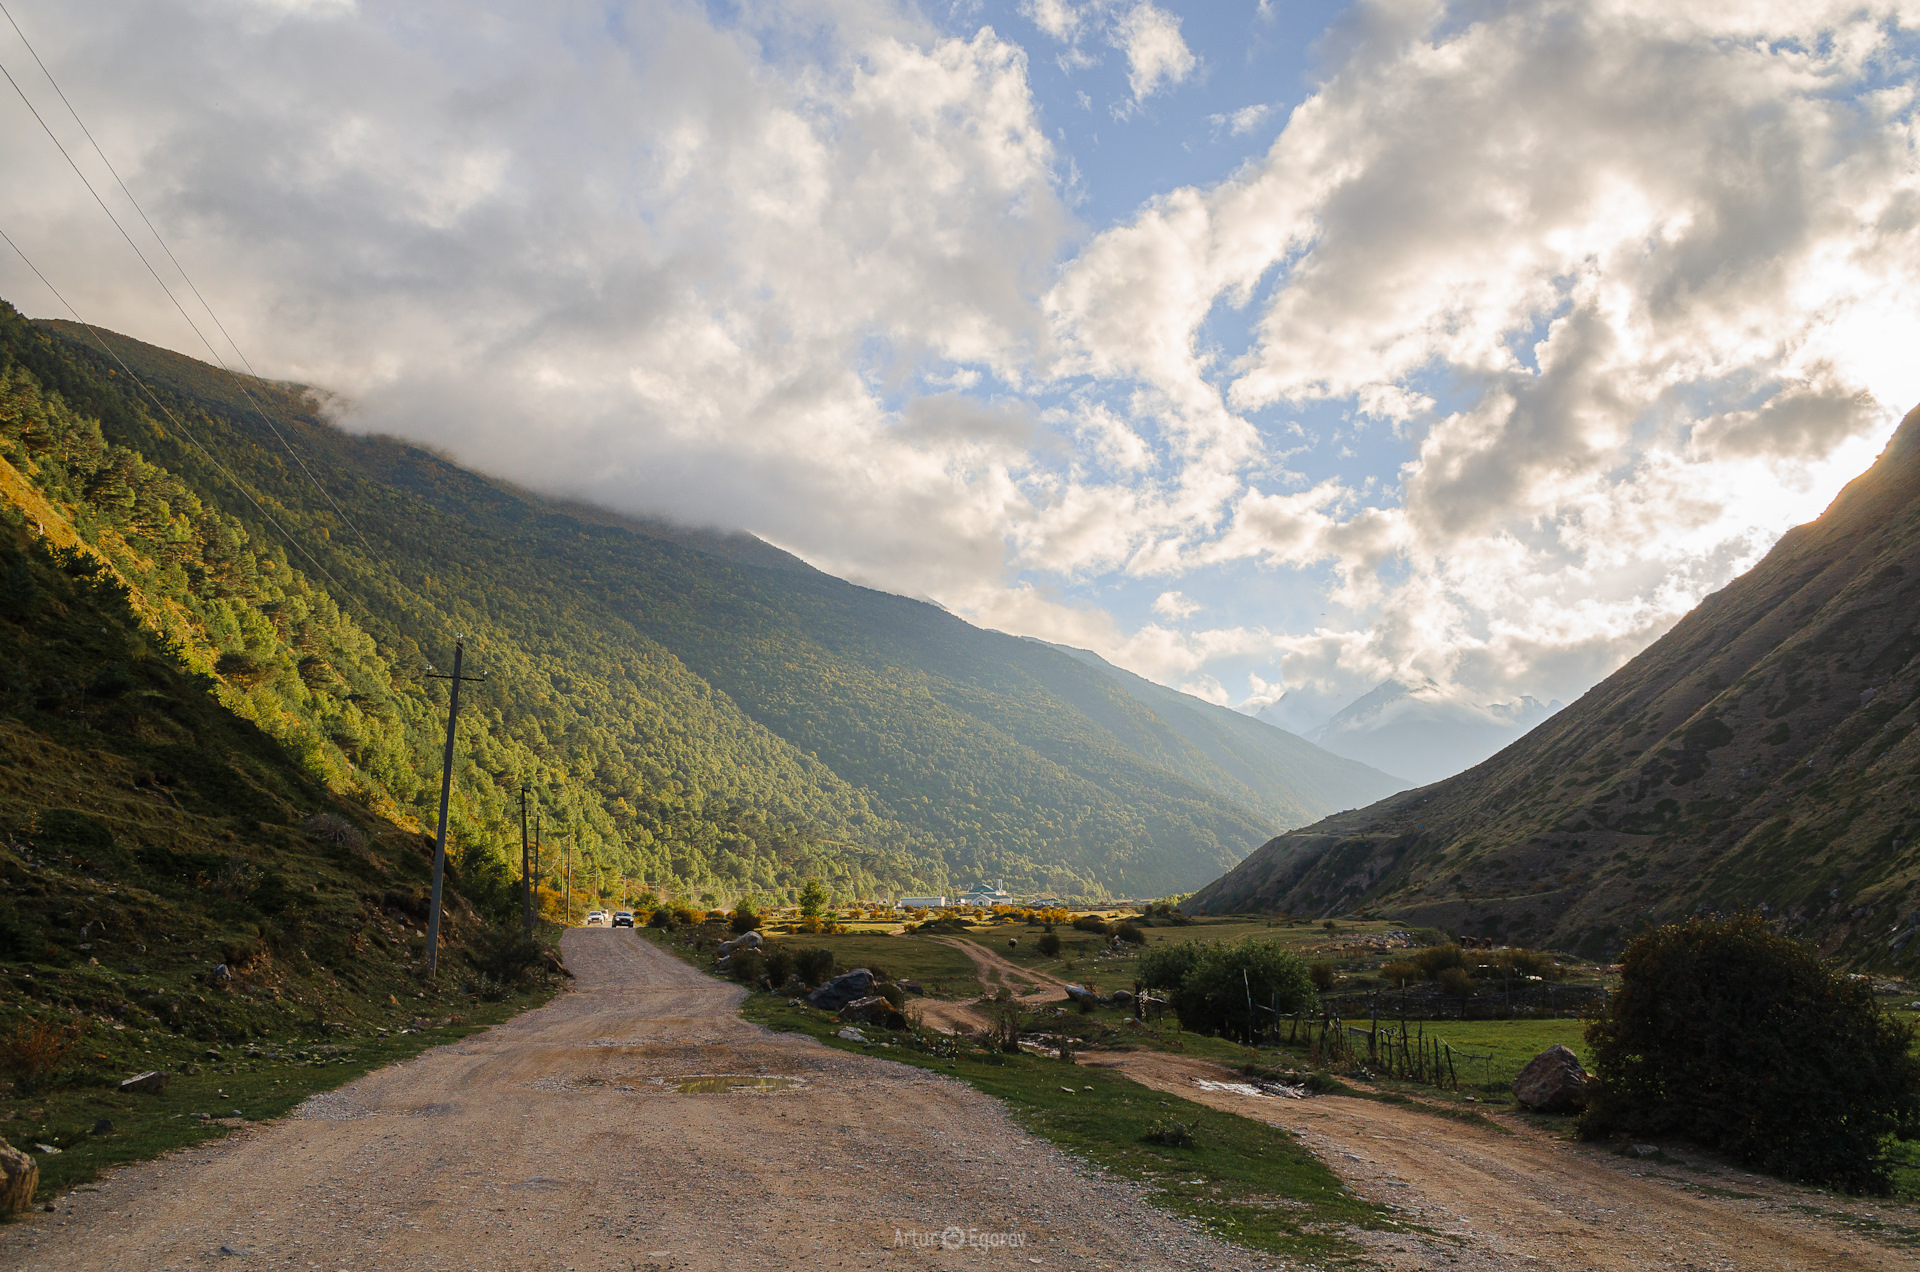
[{"x": 695, "y": 713}]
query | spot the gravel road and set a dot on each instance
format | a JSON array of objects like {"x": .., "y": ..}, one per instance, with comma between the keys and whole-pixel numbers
[{"x": 560, "y": 1140}]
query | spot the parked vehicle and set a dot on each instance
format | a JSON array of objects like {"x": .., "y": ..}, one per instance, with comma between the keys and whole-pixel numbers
[{"x": 596, "y": 918}]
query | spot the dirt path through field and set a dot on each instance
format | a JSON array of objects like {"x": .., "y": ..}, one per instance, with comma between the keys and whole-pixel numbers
[
  {"x": 951, "y": 1016},
  {"x": 560, "y": 1140},
  {"x": 1529, "y": 1200}
]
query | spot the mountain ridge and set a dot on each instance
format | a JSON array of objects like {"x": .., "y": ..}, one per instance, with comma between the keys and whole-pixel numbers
[
  {"x": 702, "y": 711},
  {"x": 1760, "y": 755}
]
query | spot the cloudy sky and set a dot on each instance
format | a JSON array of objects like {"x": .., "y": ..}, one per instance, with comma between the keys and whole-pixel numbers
[{"x": 1259, "y": 346}]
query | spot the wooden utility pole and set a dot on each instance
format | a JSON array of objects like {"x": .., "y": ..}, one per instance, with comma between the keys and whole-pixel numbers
[
  {"x": 526, "y": 870},
  {"x": 446, "y": 790},
  {"x": 569, "y": 880}
]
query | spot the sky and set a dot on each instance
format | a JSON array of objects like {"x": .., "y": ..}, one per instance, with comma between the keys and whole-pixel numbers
[{"x": 1268, "y": 349}]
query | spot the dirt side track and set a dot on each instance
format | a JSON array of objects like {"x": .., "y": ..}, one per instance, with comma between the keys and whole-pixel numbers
[
  {"x": 1530, "y": 1200},
  {"x": 555, "y": 1141}
]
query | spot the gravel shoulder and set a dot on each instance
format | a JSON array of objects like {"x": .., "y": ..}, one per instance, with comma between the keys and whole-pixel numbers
[{"x": 560, "y": 1140}]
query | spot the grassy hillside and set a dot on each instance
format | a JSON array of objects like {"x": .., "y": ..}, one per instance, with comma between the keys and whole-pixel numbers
[
  {"x": 698, "y": 711},
  {"x": 1760, "y": 755}
]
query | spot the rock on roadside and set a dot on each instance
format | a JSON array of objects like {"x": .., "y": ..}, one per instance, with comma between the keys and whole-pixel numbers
[
  {"x": 842, "y": 989},
  {"x": 19, "y": 1176},
  {"x": 1553, "y": 1082},
  {"x": 148, "y": 1083}
]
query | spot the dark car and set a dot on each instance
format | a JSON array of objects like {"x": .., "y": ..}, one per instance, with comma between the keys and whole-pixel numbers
[{"x": 623, "y": 918}]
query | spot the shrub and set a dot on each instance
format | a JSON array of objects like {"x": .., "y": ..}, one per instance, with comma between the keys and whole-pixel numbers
[
  {"x": 1322, "y": 975},
  {"x": 1399, "y": 972},
  {"x": 1525, "y": 963},
  {"x": 814, "y": 966},
  {"x": 1166, "y": 966},
  {"x": 661, "y": 918},
  {"x": 743, "y": 919},
  {"x": 779, "y": 963},
  {"x": 1048, "y": 944},
  {"x": 1170, "y": 1135},
  {"x": 1091, "y": 923},
  {"x": 1223, "y": 988},
  {"x": 1130, "y": 934},
  {"x": 748, "y": 967},
  {"x": 1455, "y": 982},
  {"x": 508, "y": 958},
  {"x": 34, "y": 1053},
  {"x": 1737, "y": 1039},
  {"x": 1438, "y": 958}
]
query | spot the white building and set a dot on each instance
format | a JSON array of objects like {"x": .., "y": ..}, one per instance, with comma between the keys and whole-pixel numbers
[
  {"x": 982, "y": 895},
  {"x": 923, "y": 903}
]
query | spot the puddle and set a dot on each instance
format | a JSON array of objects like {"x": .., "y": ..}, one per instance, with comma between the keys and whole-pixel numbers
[{"x": 725, "y": 1084}]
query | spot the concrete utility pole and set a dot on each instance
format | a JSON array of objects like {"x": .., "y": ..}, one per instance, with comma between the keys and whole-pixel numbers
[
  {"x": 526, "y": 871},
  {"x": 569, "y": 880},
  {"x": 446, "y": 790}
]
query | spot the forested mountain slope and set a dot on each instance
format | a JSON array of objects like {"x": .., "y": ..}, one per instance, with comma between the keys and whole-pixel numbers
[
  {"x": 698, "y": 710},
  {"x": 1761, "y": 754}
]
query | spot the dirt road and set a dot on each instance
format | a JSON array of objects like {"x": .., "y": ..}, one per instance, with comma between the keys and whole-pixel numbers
[
  {"x": 1531, "y": 1200},
  {"x": 560, "y": 1141}
]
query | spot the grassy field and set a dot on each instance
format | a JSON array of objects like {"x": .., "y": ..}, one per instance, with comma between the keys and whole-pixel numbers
[
  {"x": 250, "y": 1082},
  {"x": 1242, "y": 1180}
]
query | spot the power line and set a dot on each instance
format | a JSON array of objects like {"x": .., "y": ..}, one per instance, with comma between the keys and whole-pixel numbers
[
  {"x": 181, "y": 428},
  {"x": 188, "y": 278}
]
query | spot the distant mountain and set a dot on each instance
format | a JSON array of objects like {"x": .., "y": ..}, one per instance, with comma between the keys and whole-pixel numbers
[
  {"x": 692, "y": 708},
  {"x": 1761, "y": 754},
  {"x": 1268, "y": 769},
  {"x": 1423, "y": 731}
]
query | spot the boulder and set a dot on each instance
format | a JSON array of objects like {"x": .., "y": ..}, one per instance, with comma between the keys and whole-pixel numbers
[
  {"x": 1121, "y": 998},
  {"x": 1552, "y": 1082},
  {"x": 911, "y": 986},
  {"x": 745, "y": 941},
  {"x": 873, "y": 1010},
  {"x": 148, "y": 1083},
  {"x": 19, "y": 1176},
  {"x": 1081, "y": 994},
  {"x": 842, "y": 989},
  {"x": 794, "y": 987}
]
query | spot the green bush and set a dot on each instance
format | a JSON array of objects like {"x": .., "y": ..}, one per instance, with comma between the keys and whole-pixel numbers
[
  {"x": 1048, "y": 944},
  {"x": 1438, "y": 958},
  {"x": 779, "y": 964},
  {"x": 1130, "y": 934},
  {"x": 1455, "y": 983},
  {"x": 1322, "y": 975},
  {"x": 748, "y": 967},
  {"x": 1729, "y": 1036},
  {"x": 1233, "y": 988},
  {"x": 814, "y": 966},
  {"x": 661, "y": 918},
  {"x": 1092, "y": 923},
  {"x": 743, "y": 919}
]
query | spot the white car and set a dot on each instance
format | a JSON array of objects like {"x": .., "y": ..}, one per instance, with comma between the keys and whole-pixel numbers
[{"x": 596, "y": 918}]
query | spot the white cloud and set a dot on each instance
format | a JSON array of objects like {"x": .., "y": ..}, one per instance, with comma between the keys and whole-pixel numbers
[
  {"x": 1244, "y": 120},
  {"x": 1661, "y": 260},
  {"x": 1175, "y": 606},
  {"x": 1157, "y": 56}
]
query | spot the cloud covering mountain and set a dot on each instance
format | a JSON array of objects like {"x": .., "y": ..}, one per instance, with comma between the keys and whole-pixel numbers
[{"x": 1475, "y": 346}]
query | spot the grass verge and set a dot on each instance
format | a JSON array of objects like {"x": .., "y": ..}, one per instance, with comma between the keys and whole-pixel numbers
[{"x": 260, "y": 1081}]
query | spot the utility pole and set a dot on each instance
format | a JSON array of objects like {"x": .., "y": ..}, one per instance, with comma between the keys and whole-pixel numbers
[
  {"x": 526, "y": 870},
  {"x": 446, "y": 789},
  {"x": 569, "y": 880}
]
